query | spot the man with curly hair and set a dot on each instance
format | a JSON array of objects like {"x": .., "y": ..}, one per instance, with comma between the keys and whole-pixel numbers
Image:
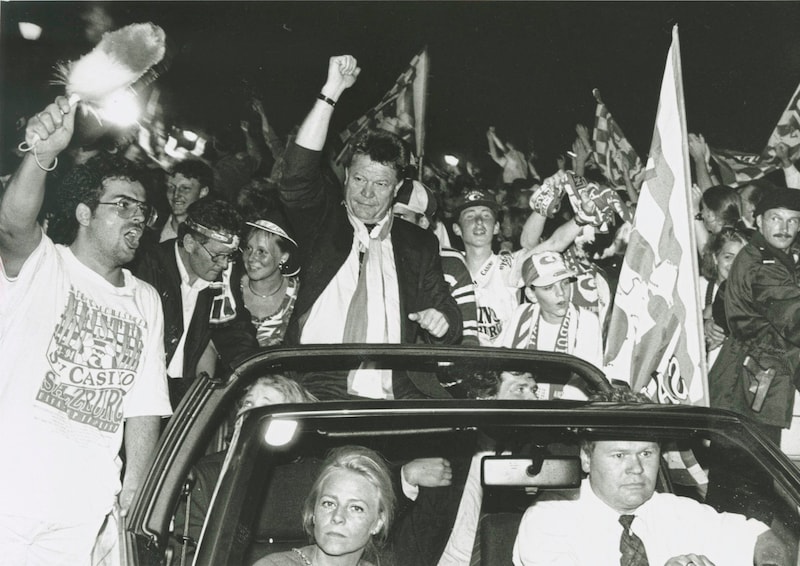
[
  {"x": 203, "y": 314},
  {"x": 80, "y": 340}
]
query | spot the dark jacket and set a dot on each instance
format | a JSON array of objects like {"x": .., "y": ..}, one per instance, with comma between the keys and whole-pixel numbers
[
  {"x": 236, "y": 338},
  {"x": 319, "y": 220},
  {"x": 762, "y": 307}
]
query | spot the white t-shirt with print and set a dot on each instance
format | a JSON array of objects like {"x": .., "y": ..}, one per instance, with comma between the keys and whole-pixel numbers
[
  {"x": 79, "y": 356},
  {"x": 497, "y": 285}
]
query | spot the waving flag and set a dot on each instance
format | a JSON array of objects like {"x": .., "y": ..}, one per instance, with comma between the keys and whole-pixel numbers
[
  {"x": 401, "y": 110},
  {"x": 654, "y": 337},
  {"x": 786, "y": 131},
  {"x": 608, "y": 138},
  {"x": 737, "y": 168}
]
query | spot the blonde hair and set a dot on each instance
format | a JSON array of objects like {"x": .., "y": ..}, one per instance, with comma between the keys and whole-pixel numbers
[
  {"x": 292, "y": 391},
  {"x": 372, "y": 467}
]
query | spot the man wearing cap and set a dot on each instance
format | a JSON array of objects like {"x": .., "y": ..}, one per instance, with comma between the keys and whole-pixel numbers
[
  {"x": 366, "y": 278},
  {"x": 762, "y": 306},
  {"x": 756, "y": 372},
  {"x": 496, "y": 280},
  {"x": 416, "y": 203},
  {"x": 203, "y": 313},
  {"x": 552, "y": 322}
]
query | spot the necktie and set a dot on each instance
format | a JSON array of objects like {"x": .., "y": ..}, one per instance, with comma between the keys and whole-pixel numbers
[{"x": 631, "y": 547}]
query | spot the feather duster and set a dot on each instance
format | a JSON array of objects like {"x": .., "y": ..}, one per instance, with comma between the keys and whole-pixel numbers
[{"x": 119, "y": 60}]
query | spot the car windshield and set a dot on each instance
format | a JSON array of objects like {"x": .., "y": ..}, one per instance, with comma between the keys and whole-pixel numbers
[{"x": 251, "y": 497}]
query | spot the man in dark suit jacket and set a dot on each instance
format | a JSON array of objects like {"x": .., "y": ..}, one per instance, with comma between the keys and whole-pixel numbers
[
  {"x": 188, "y": 274},
  {"x": 365, "y": 277}
]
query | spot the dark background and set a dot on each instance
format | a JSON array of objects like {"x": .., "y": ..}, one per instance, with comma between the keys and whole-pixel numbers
[{"x": 527, "y": 68}]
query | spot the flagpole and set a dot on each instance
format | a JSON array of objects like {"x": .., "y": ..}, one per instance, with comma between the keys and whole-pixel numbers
[
  {"x": 688, "y": 184},
  {"x": 420, "y": 87}
]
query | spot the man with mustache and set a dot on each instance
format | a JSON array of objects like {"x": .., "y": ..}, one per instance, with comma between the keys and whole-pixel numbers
[
  {"x": 762, "y": 305},
  {"x": 81, "y": 345},
  {"x": 756, "y": 372}
]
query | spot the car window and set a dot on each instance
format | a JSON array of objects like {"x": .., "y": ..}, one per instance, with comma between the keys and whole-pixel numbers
[{"x": 259, "y": 498}]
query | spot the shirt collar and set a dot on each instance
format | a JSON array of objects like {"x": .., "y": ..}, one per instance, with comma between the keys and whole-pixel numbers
[{"x": 198, "y": 284}]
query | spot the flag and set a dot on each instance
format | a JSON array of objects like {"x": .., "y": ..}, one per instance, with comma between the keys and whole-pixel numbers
[
  {"x": 608, "y": 138},
  {"x": 786, "y": 131},
  {"x": 737, "y": 168},
  {"x": 401, "y": 110},
  {"x": 655, "y": 338}
]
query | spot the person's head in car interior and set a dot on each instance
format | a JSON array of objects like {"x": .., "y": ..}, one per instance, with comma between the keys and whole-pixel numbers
[
  {"x": 275, "y": 389},
  {"x": 503, "y": 385}
]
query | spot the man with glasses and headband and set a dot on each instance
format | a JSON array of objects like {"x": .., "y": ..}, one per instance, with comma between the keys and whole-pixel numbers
[
  {"x": 204, "y": 317},
  {"x": 80, "y": 341}
]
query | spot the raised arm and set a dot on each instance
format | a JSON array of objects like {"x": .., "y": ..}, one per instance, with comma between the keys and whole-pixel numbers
[
  {"x": 49, "y": 132},
  {"x": 698, "y": 150},
  {"x": 790, "y": 172},
  {"x": 271, "y": 138},
  {"x": 494, "y": 145},
  {"x": 343, "y": 71}
]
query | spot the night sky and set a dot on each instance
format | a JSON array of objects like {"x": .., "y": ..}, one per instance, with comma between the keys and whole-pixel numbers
[{"x": 527, "y": 68}]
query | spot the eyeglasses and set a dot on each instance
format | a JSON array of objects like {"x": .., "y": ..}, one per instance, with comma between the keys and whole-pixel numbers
[
  {"x": 127, "y": 207},
  {"x": 218, "y": 258}
]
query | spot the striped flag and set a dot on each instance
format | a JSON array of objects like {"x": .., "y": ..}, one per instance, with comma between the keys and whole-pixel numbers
[
  {"x": 607, "y": 138},
  {"x": 401, "y": 110},
  {"x": 737, "y": 168},
  {"x": 786, "y": 131},
  {"x": 655, "y": 334}
]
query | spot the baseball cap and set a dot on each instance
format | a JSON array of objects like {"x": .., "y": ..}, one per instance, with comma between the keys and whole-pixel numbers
[
  {"x": 416, "y": 197},
  {"x": 545, "y": 268},
  {"x": 272, "y": 224},
  {"x": 778, "y": 198},
  {"x": 475, "y": 197}
]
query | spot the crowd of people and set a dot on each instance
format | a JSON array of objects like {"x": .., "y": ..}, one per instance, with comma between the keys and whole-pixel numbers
[{"x": 121, "y": 284}]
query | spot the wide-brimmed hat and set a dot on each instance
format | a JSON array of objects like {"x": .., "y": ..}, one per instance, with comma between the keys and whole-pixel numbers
[
  {"x": 475, "y": 197},
  {"x": 545, "y": 268},
  {"x": 275, "y": 225}
]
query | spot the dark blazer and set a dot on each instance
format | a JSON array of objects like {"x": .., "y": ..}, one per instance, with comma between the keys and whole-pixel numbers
[
  {"x": 313, "y": 205},
  {"x": 236, "y": 338}
]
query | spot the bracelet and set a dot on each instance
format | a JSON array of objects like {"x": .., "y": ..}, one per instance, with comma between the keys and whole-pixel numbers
[
  {"x": 42, "y": 167},
  {"x": 324, "y": 98}
]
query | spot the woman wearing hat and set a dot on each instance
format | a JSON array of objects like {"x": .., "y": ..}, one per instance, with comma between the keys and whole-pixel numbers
[{"x": 269, "y": 282}]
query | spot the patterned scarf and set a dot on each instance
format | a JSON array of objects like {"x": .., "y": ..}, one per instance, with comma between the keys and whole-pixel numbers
[{"x": 527, "y": 332}]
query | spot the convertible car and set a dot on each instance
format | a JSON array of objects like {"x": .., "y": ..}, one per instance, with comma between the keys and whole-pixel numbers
[{"x": 228, "y": 483}]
